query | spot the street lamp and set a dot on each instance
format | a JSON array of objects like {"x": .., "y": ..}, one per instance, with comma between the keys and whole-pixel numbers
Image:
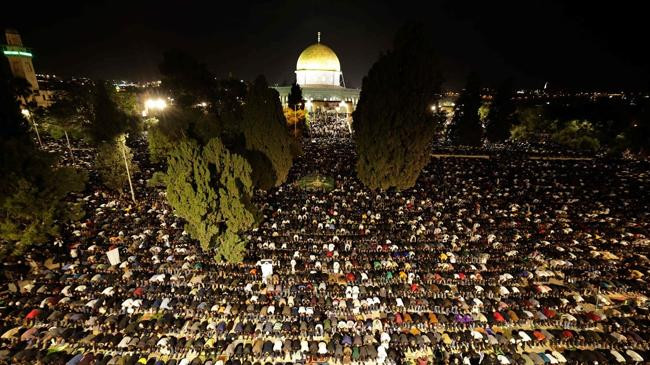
[
  {"x": 156, "y": 104},
  {"x": 29, "y": 116},
  {"x": 295, "y": 124},
  {"x": 122, "y": 140}
]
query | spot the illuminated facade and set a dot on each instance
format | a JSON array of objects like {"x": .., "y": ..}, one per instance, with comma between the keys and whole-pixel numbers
[
  {"x": 318, "y": 72},
  {"x": 318, "y": 65},
  {"x": 20, "y": 63}
]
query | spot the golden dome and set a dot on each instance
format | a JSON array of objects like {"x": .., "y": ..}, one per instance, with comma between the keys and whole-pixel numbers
[{"x": 318, "y": 57}]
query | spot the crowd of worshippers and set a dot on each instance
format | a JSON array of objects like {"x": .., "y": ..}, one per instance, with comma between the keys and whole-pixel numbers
[
  {"x": 512, "y": 149},
  {"x": 330, "y": 125},
  {"x": 484, "y": 261}
]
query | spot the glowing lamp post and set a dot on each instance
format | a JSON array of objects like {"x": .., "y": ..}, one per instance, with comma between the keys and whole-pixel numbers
[
  {"x": 295, "y": 117},
  {"x": 29, "y": 116},
  {"x": 122, "y": 141}
]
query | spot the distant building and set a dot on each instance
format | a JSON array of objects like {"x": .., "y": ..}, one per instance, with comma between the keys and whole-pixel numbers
[
  {"x": 20, "y": 63},
  {"x": 318, "y": 72}
]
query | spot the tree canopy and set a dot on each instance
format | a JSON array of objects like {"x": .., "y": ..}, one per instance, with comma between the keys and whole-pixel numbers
[
  {"x": 33, "y": 192},
  {"x": 230, "y": 105},
  {"x": 296, "y": 121},
  {"x": 176, "y": 124},
  {"x": 535, "y": 125},
  {"x": 637, "y": 132},
  {"x": 107, "y": 121},
  {"x": 109, "y": 162},
  {"x": 532, "y": 124},
  {"x": 189, "y": 81},
  {"x": 466, "y": 128},
  {"x": 210, "y": 188},
  {"x": 500, "y": 117},
  {"x": 194, "y": 88},
  {"x": 22, "y": 90},
  {"x": 70, "y": 111},
  {"x": 577, "y": 134},
  {"x": 265, "y": 130},
  {"x": 393, "y": 122},
  {"x": 33, "y": 206},
  {"x": 295, "y": 100}
]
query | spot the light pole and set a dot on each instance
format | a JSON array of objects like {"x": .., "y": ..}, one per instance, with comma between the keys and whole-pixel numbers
[
  {"x": 126, "y": 165},
  {"x": 29, "y": 116},
  {"x": 295, "y": 123},
  {"x": 69, "y": 147},
  {"x": 308, "y": 106}
]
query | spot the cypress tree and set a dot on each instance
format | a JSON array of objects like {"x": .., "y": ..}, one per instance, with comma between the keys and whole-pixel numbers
[
  {"x": 211, "y": 189},
  {"x": 466, "y": 128},
  {"x": 501, "y": 115},
  {"x": 265, "y": 131},
  {"x": 295, "y": 100},
  {"x": 393, "y": 123}
]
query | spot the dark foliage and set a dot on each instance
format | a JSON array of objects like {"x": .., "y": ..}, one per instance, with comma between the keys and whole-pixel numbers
[
  {"x": 466, "y": 128},
  {"x": 295, "y": 100},
  {"x": 393, "y": 123},
  {"x": 501, "y": 116}
]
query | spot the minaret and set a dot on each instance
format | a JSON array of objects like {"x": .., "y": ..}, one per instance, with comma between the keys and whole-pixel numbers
[
  {"x": 20, "y": 58},
  {"x": 318, "y": 37}
]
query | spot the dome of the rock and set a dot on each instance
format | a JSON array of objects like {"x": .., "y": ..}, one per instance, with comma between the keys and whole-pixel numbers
[{"x": 318, "y": 57}]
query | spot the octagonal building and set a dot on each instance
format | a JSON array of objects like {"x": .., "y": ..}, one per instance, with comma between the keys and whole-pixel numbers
[{"x": 318, "y": 72}]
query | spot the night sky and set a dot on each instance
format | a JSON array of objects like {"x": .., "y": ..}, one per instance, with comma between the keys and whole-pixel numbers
[{"x": 578, "y": 46}]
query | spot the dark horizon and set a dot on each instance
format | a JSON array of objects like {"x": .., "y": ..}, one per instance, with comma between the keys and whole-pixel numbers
[{"x": 570, "y": 46}]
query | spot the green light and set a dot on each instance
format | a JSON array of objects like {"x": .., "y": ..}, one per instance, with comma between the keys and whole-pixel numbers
[{"x": 17, "y": 53}]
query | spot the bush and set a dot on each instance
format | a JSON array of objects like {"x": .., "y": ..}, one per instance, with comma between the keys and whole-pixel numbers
[{"x": 578, "y": 135}]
